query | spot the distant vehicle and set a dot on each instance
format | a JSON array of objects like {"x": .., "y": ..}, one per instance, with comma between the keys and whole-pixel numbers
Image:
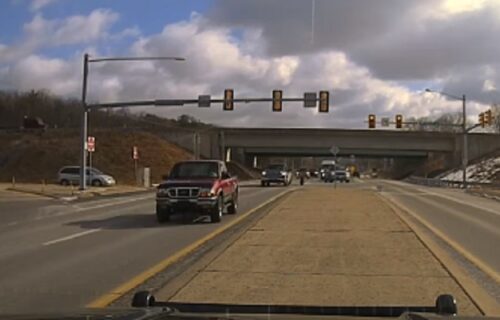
[
  {"x": 34, "y": 123},
  {"x": 71, "y": 175},
  {"x": 341, "y": 175},
  {"x": 353, "y": 170},
  {"x": 276, "y": 173},
  {"x": 304, "y": 172},
  {"x": 202, "y": 187},
  {"x": 313, "y": 173},
  {"x": 325, "y": 169}
]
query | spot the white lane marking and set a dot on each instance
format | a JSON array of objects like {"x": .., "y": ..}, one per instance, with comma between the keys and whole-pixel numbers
[
  {"x": 495, "y": 212},
  {"x": 107, "y": 204},
  {"x": 13, "y": 223},
  {"x": 70, "y": 237}
]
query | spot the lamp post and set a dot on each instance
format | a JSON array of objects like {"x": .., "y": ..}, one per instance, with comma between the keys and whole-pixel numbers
[
  {"x": 465, "y": 146},
  {"x": 85, "y": 109}
]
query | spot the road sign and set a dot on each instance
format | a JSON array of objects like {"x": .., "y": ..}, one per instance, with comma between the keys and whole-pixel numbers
[
  {"x": 90, "y": 144},
  {"x": 310, "y": 100},
  {"x": 204, "y": 101},
  {"x": 334, "y": 150},
  {"x": 135, "y": 153},
  {"x": 385, "y": 122}
]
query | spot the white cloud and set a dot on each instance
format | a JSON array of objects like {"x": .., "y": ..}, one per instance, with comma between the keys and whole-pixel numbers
[
  {"x": 84, "y": 29},
  {"x": 39, "y": 4},
  {"x": 216, "y": 59},
  {"x": 72, "y": 30},
  {"x": 35, "y": 72}
]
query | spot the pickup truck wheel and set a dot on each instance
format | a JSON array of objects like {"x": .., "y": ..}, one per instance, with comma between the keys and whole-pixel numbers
[
  {"x": 64, "y": 182},
  {"x": 233, "y": 207},
  {"x": 162, "y": 215},
  {"x": 216, "y": 213}
]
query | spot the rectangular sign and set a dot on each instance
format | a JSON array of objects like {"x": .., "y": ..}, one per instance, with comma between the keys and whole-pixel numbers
[
  {"x": 135, "y": 153},
  {"x": 91, "y": 144},
  {"x": 204, "y": 101},
  {"x": 385, "y": 122},
  {"x": 310, "y": 100}
]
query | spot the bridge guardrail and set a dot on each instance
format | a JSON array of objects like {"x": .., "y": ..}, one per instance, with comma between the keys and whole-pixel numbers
[{"x": 432, "y": 182}]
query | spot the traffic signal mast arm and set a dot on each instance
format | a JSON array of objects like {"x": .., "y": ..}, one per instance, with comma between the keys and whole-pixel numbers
[{"x": 181, "y": 102}]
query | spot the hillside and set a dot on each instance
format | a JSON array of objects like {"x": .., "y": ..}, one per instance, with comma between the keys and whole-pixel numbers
[
  {"x": 485, "y": 170},
  {"x": 31, "y": 157}
]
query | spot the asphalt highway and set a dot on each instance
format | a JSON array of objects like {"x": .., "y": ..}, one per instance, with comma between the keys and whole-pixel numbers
[{"x": 60, "y": 256}]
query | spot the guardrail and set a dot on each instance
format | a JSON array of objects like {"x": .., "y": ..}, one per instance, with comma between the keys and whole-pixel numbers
[{"x": 432, "y": 182}]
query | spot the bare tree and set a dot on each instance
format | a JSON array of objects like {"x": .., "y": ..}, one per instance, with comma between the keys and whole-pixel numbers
[{"x": 448, "y": 122}]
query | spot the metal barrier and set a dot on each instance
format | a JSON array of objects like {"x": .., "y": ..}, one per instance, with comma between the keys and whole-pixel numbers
[{"x": 432, "y": 182}]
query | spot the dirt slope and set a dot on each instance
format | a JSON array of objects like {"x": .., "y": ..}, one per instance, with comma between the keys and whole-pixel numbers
[{"x": 33, "y": 157}]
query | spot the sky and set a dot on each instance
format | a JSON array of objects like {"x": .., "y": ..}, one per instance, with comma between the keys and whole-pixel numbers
[{"x": 373, "y": 56}]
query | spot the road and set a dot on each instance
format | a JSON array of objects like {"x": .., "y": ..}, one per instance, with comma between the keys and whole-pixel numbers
[
  {"x": 56, "y": 256},
  {"x": 470, "y": 222}
]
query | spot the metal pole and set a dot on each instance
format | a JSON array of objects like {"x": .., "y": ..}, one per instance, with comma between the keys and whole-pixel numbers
[
  {"x": 90, "y": 159},
  {"x": 335, "y": 173},
  {"x": 465, "y": 148},
  {"x": 83, "y": 156}
]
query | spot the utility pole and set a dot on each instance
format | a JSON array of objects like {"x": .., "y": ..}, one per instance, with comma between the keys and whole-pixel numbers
[{"x": 83, "y": 156}]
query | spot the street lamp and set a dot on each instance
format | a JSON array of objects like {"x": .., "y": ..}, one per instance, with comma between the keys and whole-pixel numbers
[
  {"x": 86, "y": 61},
  {"x": 464, "y": 131}
]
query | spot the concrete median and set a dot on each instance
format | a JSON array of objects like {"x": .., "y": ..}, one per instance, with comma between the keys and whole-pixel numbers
[{"x": 325, "y": 247}]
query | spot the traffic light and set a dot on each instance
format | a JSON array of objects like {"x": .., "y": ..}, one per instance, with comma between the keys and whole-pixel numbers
[
  {"x": 324, "y": 101},
  {"x": 228, "y": 100},
  {"x": 372, "y": 121},
  {"x": 488, "y": 118},
  {"x": 482, "y": 119},
  {"x": 277, "y": 102},
  {"x": 399, "y": 121}
]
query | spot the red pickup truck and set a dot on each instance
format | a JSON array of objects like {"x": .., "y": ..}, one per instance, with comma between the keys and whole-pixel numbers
[{"x": 202, "y": 187}]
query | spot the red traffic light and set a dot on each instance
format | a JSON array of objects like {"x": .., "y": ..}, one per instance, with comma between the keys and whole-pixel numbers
[
  {"x": 228, "y": 100},
  {"x": 399, "y": 121},
  {"x": 324, "y": 101},
  {"x": 488, "y": 118},
  {"x": 277, "y": 100},
  {"x": 372, "y": 121},
  {"x": 482, "y": 119}
]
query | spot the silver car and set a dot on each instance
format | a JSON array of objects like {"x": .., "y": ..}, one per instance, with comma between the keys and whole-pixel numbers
[{"x": 71, "y": 175}]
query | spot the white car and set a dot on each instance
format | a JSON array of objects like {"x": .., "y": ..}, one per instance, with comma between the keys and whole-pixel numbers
[{"x": 71, "y": 175}]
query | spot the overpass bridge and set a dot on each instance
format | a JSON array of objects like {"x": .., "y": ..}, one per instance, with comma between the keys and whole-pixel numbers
[{"x": 246, "y": 143}]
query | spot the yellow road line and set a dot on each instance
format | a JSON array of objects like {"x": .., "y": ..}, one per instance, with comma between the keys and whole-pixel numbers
[
  {"x": 480, "y": 297},
  {"x": 119, "y": 291},
  {"x": 471, "y": 257}
]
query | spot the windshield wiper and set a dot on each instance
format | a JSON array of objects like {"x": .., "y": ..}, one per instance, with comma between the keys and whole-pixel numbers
[{"x": 445, "y": 305}]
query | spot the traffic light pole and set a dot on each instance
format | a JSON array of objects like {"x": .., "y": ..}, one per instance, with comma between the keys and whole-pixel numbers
[
  {"x": 465, "y": 144},
  {"x": 83, "y": 155}
]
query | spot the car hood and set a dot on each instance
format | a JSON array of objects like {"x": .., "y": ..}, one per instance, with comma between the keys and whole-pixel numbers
[{"x": 199, "y": 183}]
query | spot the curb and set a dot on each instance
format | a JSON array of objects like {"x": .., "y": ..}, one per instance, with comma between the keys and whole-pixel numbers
[{"x": 479, "y": 297}]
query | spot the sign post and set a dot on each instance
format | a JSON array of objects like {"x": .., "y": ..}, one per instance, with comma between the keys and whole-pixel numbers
[
  {"x": 90, "y": 148},
  {"x": 335, "y": 150},
  {"x": 135, "y": 156}
]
